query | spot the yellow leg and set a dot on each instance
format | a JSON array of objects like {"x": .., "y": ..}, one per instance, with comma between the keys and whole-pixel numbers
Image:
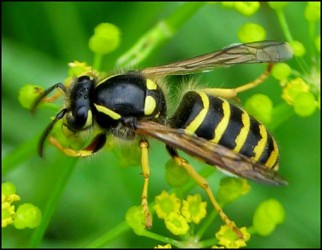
[
  {"x": 146, "y": 174},
  {"x": 97, "y": 143},
  {"x": 202, "y": 182},
  {"x": 53, "y": 98},
  {"x": 69, "y": 151},
  {"x": 231, "y": 93},
  {"x": 61, "y": 89}
]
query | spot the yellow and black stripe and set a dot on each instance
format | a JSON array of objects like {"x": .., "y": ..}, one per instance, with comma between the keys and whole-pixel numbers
[
  {"x": 218, "y": 121},
  {"x": 127, "y": 95}
]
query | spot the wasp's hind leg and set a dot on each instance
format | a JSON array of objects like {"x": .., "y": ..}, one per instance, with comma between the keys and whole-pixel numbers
[
  {"x": 144, "y": 145},
  {"x": 232, "y": 93},
  {"x": 202, "y": 182}
]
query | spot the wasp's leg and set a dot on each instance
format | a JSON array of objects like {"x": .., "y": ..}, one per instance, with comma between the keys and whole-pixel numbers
[
  {"x": 61, "y": 89},
  {"x": 202, "y": 182},
  {"x": 43, "y": 95},
  {"x": 54, "y": 97},
  {"x": 232, "y": 93},
  {"x": 144, "y": 145},
  {"x": 93, "y": 147}
]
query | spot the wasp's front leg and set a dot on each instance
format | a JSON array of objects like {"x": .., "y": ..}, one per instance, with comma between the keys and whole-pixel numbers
[{"x": 96, "y": 144}]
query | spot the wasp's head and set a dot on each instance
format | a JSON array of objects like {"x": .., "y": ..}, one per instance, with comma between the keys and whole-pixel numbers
[{"x": 79, "y": 114}]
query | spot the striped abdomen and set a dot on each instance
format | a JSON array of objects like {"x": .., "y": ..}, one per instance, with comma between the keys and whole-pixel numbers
[{"x": 217, "y": 120}]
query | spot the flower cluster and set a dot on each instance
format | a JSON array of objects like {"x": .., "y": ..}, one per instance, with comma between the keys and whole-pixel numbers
[
  {"x": 27, "y": 215},
  {"x": 300, "y": 82},
  {"x": 181, "y": 216},
  {"x": 228, "y": 239},
  {"x": 177, "y": 214},
  {"x": 8, "y": 196}
]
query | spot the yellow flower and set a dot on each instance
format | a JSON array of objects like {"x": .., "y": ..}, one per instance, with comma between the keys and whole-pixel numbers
[
  {"x": 8, "y": 196},
  {"x": 229, "y": 239},
  {"x": 194, "y": 209},
  {"x": 166, "y": 204},
  {"x": 298, "y": 93},
  {"x": 7, "y": 214},
  {"x": 77, "y": 69},
  {"x": 135, "y": 219},
  {"x": 176, "y": 224},
  {"x": 165, "y": 246},
  {"x": 293, "y": 88}
]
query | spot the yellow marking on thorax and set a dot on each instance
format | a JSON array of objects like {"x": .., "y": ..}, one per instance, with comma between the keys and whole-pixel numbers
[
  {"x": 258, "y": 150},
  {"x": 222, "y": 125},
  {"x": 272, "y": 160},
  {"x": 194, "y": 125},
  {"x": 149, "y": 105},
  {"x": 243, "y": 133},
  {"x": 108, "y": 112},
  {"x": 105, "y": 79},
  {"x": 151, "y": 85}
]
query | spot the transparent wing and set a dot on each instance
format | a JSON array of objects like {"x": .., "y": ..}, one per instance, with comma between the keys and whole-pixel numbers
[
  {"x": 211, "y": 153},
  {"x": 255, "y": 52}
]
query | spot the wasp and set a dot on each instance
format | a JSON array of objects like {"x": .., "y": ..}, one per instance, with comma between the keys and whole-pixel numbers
[{"x": 205, "y": 125}]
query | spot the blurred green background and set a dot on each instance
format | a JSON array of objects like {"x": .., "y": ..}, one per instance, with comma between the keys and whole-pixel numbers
[{"x": 39, "y": 39}]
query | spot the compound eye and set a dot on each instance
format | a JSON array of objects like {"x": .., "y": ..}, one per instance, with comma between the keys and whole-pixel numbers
[
  {"x": 81, "y": 116},
  {"x": 81, "y": 120}
]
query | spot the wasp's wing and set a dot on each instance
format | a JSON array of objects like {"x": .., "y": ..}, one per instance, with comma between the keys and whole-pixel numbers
[
  {"x": 211, "y": 153},
  {"x": 255, "y": 52}
]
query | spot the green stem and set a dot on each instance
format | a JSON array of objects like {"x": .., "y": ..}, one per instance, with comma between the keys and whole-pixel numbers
[
  {"x": 53, "y": 199},
  {"x": 207, "y": 223},
  {"x": 311, "y": 25},
  {"x": 186, "y": 10},
  {"x": 109, "y": 236},
  {"x": 209, "y": 243},
  {"x": 97, "y": 61},
  {"x": 160, "y": 33},
  {"x": 284, "y": 25},
  {"x": 282, "y": 20},
  {"x": 161, "y": 238},
  {"x": 313, "y": 50}
]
